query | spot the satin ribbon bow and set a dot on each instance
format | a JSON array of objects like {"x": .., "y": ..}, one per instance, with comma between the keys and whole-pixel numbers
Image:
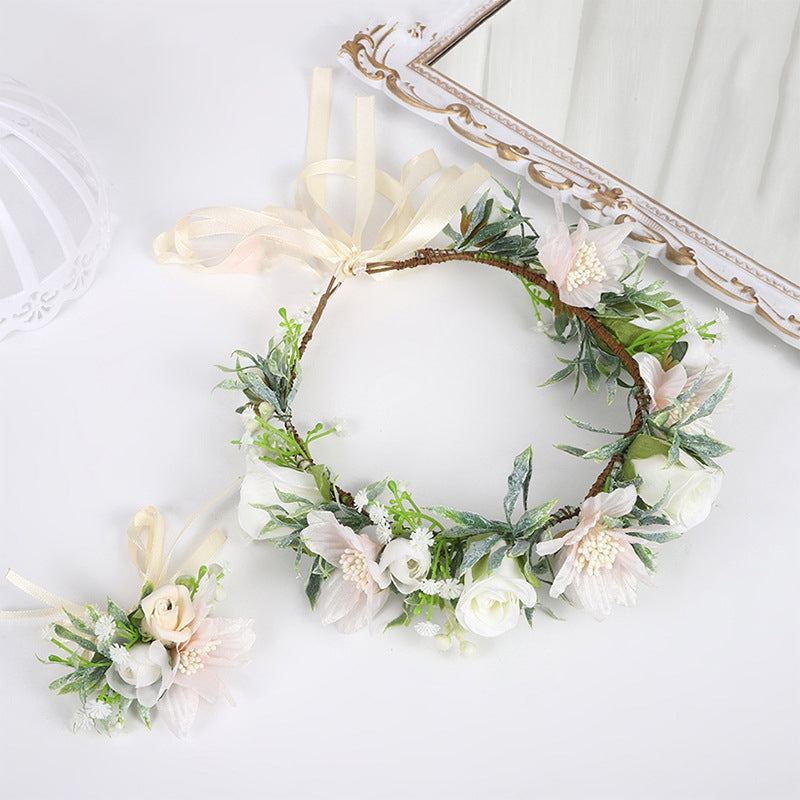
[
  {"x": 309, "y": 231},
  {"x": 146, "y": 536}
]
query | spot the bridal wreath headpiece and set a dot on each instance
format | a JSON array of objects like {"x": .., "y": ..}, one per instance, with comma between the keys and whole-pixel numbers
[{"x": 451, "y": 572}]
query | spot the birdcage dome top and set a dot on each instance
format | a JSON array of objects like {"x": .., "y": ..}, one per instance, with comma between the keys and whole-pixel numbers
[{"x": 54, "y": 222}]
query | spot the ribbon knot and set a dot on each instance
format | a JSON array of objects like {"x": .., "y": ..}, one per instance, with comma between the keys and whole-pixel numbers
[
  {"x": 226, "y": 238},
  {"x": 352, "y": 265}
]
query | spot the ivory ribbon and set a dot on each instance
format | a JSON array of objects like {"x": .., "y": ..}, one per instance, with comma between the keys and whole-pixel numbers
[
  {"x": 309, "y": 231},
  {"x": 146, "y": 537}
]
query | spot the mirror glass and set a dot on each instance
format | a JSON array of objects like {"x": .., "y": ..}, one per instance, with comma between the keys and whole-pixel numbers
[{"x": 696, "y": 103}]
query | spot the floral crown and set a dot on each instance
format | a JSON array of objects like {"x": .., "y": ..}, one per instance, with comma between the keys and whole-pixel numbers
[{"x": 451, "y": 572}]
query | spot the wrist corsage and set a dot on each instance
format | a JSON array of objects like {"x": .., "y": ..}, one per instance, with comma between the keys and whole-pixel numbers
[{"x": 166, "y": 654}]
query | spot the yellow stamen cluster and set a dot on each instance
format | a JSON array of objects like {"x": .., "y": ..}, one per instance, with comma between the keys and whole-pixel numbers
[
  {"x": 354, "y": 568},
  {"x": 597, "y": 550},
  {"x": 190, "y": 661},
  {"x": 586, "y": 267}
]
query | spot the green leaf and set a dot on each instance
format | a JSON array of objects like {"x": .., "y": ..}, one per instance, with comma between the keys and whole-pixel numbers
[
  {"x": 476, "y": 550},
  {"x": 288, "y": 497},
  {"x": 705, "y": 446},
  {"x": 660, "y": 537},
  {"x": 143, "y": 712},
  {"x": 117, "y": 614},
  {"x": 519, "y": 482},
  {"x": 72, "y": 636},
  {"x": 461, "y": 532},
  {"x": 587, "y": 426},
  {"x": 528, "y": 611},
  {"x": 548, "y": 611},
  {"x": 231, "y": 383},
  {"x": 645, "y": 556},
  {"x": 561, "y": 374},
  {"x": 375, "y": 490},
  {"x": 65, "y": 680},
  {"x": 519, "y": 548},
  {"x": 533, "y": 519},
  {"x": 710, "y": 403},
  {"x": 261, "y": 390},
  {"x": 678, "y": 351},
  {"x": 79, "y": 624},
  {"x": 323, "y": 481},
  {"x": 404, "y": 618},
  {"x": 467, "y": 519},
  {"x": 313, "y": 586},
  {"x": 573, "y": 451},
  {"x": 496, "y": 558},
  {"x": 608, "y": 451}
]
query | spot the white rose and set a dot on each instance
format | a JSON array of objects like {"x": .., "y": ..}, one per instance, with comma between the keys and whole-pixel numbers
[
  {"x": 689, "y": 489},
  {"x": 408, "y": 564},
  {"x": 142, "y": 673},
  {"x": 258, "y": 488},
  {"x": 491, "y": 604},
  {"x": 168, "y": 614}
]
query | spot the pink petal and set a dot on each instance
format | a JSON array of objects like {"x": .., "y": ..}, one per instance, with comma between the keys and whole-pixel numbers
[
  {"x": 556, "y": 252},
  {"x": 608, "y": 241},
  {"x": 337, "y": 598},
  {"x": 565, "y": 574},
  {"x": 327, "y": 537},
  {"x": 179, "y": 709},
  {"x": 618, "y": 503},
  {"x": 593, "y": 593}
]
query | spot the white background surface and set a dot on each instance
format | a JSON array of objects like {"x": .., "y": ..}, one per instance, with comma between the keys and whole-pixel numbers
[{"x": 693, "y": 693}]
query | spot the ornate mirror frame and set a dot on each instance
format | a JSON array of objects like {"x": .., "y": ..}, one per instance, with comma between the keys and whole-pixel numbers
[{"x": 400, "y": 58}]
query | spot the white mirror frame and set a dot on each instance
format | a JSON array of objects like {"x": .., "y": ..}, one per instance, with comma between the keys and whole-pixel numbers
[{"x": 399, "y": 57}]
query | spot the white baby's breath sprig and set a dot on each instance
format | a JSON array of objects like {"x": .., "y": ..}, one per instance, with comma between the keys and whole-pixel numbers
[
  {"x": 360, "y": 499},
  {"x": 422, "y": 537},
  {"x": 383, "y": 531},
  {"x": 104, "y": 627},
  {"x": 378, "y": 514}
]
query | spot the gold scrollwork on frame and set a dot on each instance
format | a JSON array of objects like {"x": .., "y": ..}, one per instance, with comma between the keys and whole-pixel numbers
[{"x": 550, "y": 167}]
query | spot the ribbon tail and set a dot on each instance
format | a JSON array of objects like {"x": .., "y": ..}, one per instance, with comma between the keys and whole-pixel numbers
[
  {"x": 146, "y": 544},
  {"x": 319, "y": 114},
  {"x": 55, "y": 605},
  {"x": 365, "y": 165},
  {"x": 415, "y": 171},
  {"x": 448, "y": 195},
  {"x": 203, "y": 554},
  {"x": 203, "y": 239}
]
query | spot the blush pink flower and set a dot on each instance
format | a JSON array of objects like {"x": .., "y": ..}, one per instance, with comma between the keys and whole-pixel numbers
[
  {"x": 354, "y": 593},
  {"x": 215, "y": 643},
  {"x": 596, "y": 563},
  {"x": 697, "y": 369},
  {"x": 586, "y": 263}
]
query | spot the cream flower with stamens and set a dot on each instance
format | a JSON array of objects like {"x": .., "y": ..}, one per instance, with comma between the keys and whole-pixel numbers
[
  {"x": 214, "y": 643},
  {"x": 586, "y": 263},
  {"x": 353, "y": 594},
  {"x": 596, "y": 563},
  {"x": 705, "y": 374}
]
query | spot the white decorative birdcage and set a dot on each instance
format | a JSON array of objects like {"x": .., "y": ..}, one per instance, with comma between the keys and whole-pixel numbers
[{"x": 54, "y": 221}]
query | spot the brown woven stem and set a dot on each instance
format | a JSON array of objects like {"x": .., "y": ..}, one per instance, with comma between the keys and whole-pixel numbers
[
  {"x": 601, "y": 333},
  {"x": 333, "y": 285}
]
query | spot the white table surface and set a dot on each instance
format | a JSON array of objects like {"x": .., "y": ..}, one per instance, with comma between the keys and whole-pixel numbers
[{"x": 692, "y": 694}]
